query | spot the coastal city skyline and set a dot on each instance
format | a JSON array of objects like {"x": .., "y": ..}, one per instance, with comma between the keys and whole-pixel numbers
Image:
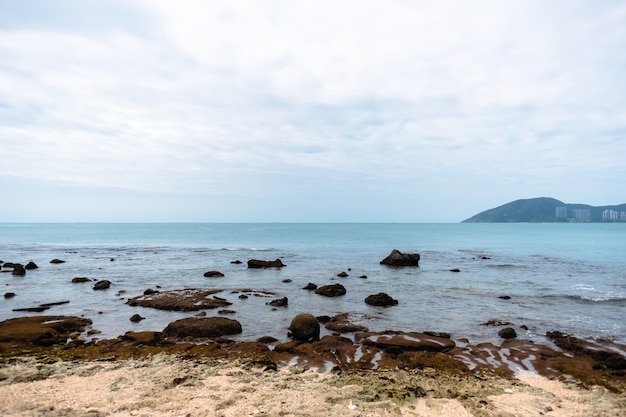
[{"x": 193, "y": 111}]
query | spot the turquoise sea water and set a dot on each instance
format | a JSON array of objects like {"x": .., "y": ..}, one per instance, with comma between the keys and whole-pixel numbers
[{"x": 567, "y": 277}]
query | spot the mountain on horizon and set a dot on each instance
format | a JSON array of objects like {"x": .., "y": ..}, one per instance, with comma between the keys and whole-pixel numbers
[{"x": 549, "y": 210}]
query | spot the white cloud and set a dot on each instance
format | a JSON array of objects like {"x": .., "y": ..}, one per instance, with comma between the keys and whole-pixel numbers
[{"x": 226, "y": 98}]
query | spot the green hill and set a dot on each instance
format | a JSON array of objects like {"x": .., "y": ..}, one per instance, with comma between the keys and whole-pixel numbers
[{"x": 544, "y": 209}]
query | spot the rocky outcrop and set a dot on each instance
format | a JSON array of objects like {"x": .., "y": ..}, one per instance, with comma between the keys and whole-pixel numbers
[
  {"x": 397, "y": 258},
  {"x": 31, "y": 265},
  {"x": 405, "y": 341},
  {"x": 304, "y": 327},
  {"x": 256, "y": 263},
  {"x": 206, "y": 327},
  {"x": 41, "y": 330},
  {"x": 597, "y": 351},
  {"x": 341, "y": 324},
  {"x": 102, "y": 285},
  {"x": 180, "y": 300},
  {"x": 380, "y": 300},
  {"x": 332, "y": 290},
  {"x": 213, "y": 274}
]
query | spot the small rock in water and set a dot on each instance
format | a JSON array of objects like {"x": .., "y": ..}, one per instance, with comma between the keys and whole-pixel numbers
[
  {"x": 57, "y": 261},
  {"x": 136, "y": 318}
]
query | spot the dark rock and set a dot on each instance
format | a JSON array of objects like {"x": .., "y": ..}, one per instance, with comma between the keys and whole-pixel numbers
[
  {"x": 180, "y": 300},
  {"x": 304, "y": 327},
  {"x": 505, "y": 297},
  {"x": 18, "y": 270},
  {"x": 496, "y": 323},
  {"x": 80, "y": 279},
  {"x": 341, "y": 324},
  {"x": 225, "y": 312},
  {"x": 405, "y": 341},
  {"x": 397, "y": 258},
  {"x": 280, "y": 302},
  {"x": 381, "y": 300},
  {"x": 455, "y": 270},
  {"x": 38, "y": 309},
  {"x": 267, "y": 340},
  {"x": 213, "y": 274},
  {"x": 342, "y": 274},
  {"x": 237, "y": 262},
  {"x": 136, "y": 318},
  {"x": 41, "y": 330},
  {"x": 332, "y": 290},
  {"x": 323, "y": 319},
  {"x": 256, "y": 263},
  {"x": 287, "y": 281},
  {"x": 143, "y": 338},
  {"x": 600, "y": 352},
  {"x": 444, "y": 335},
  {"x": 9, "y": 295},
  {"x": 202, "y": 327},
  {"x": 507, "y": 333},
  {"x": 55, "y": 303},
  {"x": 310, "y": 286},
  {"x": 102, "y": 285},
  {"x": 150, "y": 291},
  {"x": 363, "y": 276},
  {"x": 57, "y": 261},
  {"x": 243, "y": 297},
  {"x": 31, "y": 265}
]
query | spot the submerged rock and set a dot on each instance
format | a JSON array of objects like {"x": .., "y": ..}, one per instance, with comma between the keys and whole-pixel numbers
[
  {"x": 256, "y": 263},
  {"x": 507, "y": 333},
  {"x": 18, "y": 270},
  {"x": 397, "y": 258},
  {"x": 180, "y": 300},
  {"x": 41, "y": 330},
  {"x": 341, "y": 324},
  {"x": 213, "y": 274},
  {"x": 102, "y": 285},
  {"x": 31, "y": 265},
  {"x": 332, "y": 290},
  {"x": 57, "y": 261},
  {"x": 280, "y": 302},
  {"x": 406, "y": 341},
  {"x": 380, "y": 300}
]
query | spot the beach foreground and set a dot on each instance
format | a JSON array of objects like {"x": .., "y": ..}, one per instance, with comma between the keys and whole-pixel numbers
[{"x": 166, "y": 385}]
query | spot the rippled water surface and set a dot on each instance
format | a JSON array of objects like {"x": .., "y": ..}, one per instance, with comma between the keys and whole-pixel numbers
[{"x": 567, "y": 277}]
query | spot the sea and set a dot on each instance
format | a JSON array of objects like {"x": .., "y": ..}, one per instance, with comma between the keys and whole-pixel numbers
[{"x": 569, "y": 277}]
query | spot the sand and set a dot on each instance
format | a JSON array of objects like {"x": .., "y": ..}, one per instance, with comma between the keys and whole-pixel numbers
[{"x": 165, "y": 385}]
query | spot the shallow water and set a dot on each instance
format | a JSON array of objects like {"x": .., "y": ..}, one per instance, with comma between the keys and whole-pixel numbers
[{"x": 567, "y": 277}]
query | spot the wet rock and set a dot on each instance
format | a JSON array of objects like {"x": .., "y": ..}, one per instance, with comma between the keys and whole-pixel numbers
[
  {"x": 600, "y": 352},
  {"x": 280, "y": 302},
  {"x": 143, "y": 338},
  {"x": 405, "y": 341},
  {"x": 9, "y": 295},
  {"x": 397, "y": 258},
  {"x": 37, "y": 309},
  {"x": 455, "y": 270},
  {"x": 332, "y": 290},
  {"x": 341, "y": 324},
  {"x": 207, "y": 327},
  {"x": 80, "y": 279},
  {"x": 287, "y": 281},
  {"x": 213, "y": 274},
  {"x": 57, "y": 261},
  {"x": 310, "y": 286},
  {"x": 41, "y": 330},
  {"x": 381, "y": 300},
  {"x": 505, "y": 297},
  {"x": 243, "y": 297},
  {"x": 224, "y": 312},
  {"x": 507, "y": 333},
  {"x": 31, "y": 265},
  {"x": 342, "y": 274},
  {"x": 102, "y": 285},
  {"x": 256, "y": 263},
  {"x": 18, "y": 270},
  {"x": 180, "y": 300},
  {"x": 237, "y": 262},
  {"x": 496, "y": 323},
  {"x": 304, "y": 327},
  {"x": 150, "y": 291},
  {"x": 267, "y": 340},
  {"x": 136, "y": 318},
  {"x": 363, "y": 277}
]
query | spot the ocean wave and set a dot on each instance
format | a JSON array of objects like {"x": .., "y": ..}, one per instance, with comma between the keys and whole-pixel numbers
[
  {"x": 616, "y": 299},
  {"x": 247, "y": 249},
  {"x": 502, "y": 266}
]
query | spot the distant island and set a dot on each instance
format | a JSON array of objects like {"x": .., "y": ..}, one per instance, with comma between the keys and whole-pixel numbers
[{"x": 549, "y": 210}]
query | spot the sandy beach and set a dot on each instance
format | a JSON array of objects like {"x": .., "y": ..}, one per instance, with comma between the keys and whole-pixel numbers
[{"x": 166, "y": 385}]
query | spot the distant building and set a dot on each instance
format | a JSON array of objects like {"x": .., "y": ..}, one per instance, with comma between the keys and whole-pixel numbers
[
  {"x": 582, "y": 215},
  {"x": 561, "y": 212}
]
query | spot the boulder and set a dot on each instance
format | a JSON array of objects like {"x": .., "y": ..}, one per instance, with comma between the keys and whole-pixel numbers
[
  {"x": 180, "y": 300},
  {"x": 213, "y": 274},
  {"x": 9, "y": 294},
  {"x": 280, "y": 302},
  {"x": 31, "y": 265},
  {"x": 256, "y": 263},
  {"x": 80, "y": 279},
  {"x": 332, "y": 290},
  {"x": 405, "y": 341},
  {"x": 397, "y": 258},
  {"x": 18, "y": 270},
  {"x": 310, "y": 286},
  {"x": 136, "y": 318},
  {"x": 507, "y": 333},
  {"x": 342, "y": 274},
  {"x": 202, "y": 327},
  {"x": 380, "y": 300},
  {"x": 102, "y": 285},
  {"x": 41, "y": 330},
  {"x": 304, "y": 327},
  {"x": 57, "y": 261}
]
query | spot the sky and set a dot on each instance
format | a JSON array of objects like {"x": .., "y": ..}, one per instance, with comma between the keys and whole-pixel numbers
[{"x": 307, "y": 111}]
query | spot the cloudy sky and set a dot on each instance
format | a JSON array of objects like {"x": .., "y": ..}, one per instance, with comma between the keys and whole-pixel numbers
[{"x": 358, "y": 111}]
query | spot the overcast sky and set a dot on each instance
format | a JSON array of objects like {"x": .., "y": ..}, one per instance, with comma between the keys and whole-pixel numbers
[{"x": 341, "y": 111}]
